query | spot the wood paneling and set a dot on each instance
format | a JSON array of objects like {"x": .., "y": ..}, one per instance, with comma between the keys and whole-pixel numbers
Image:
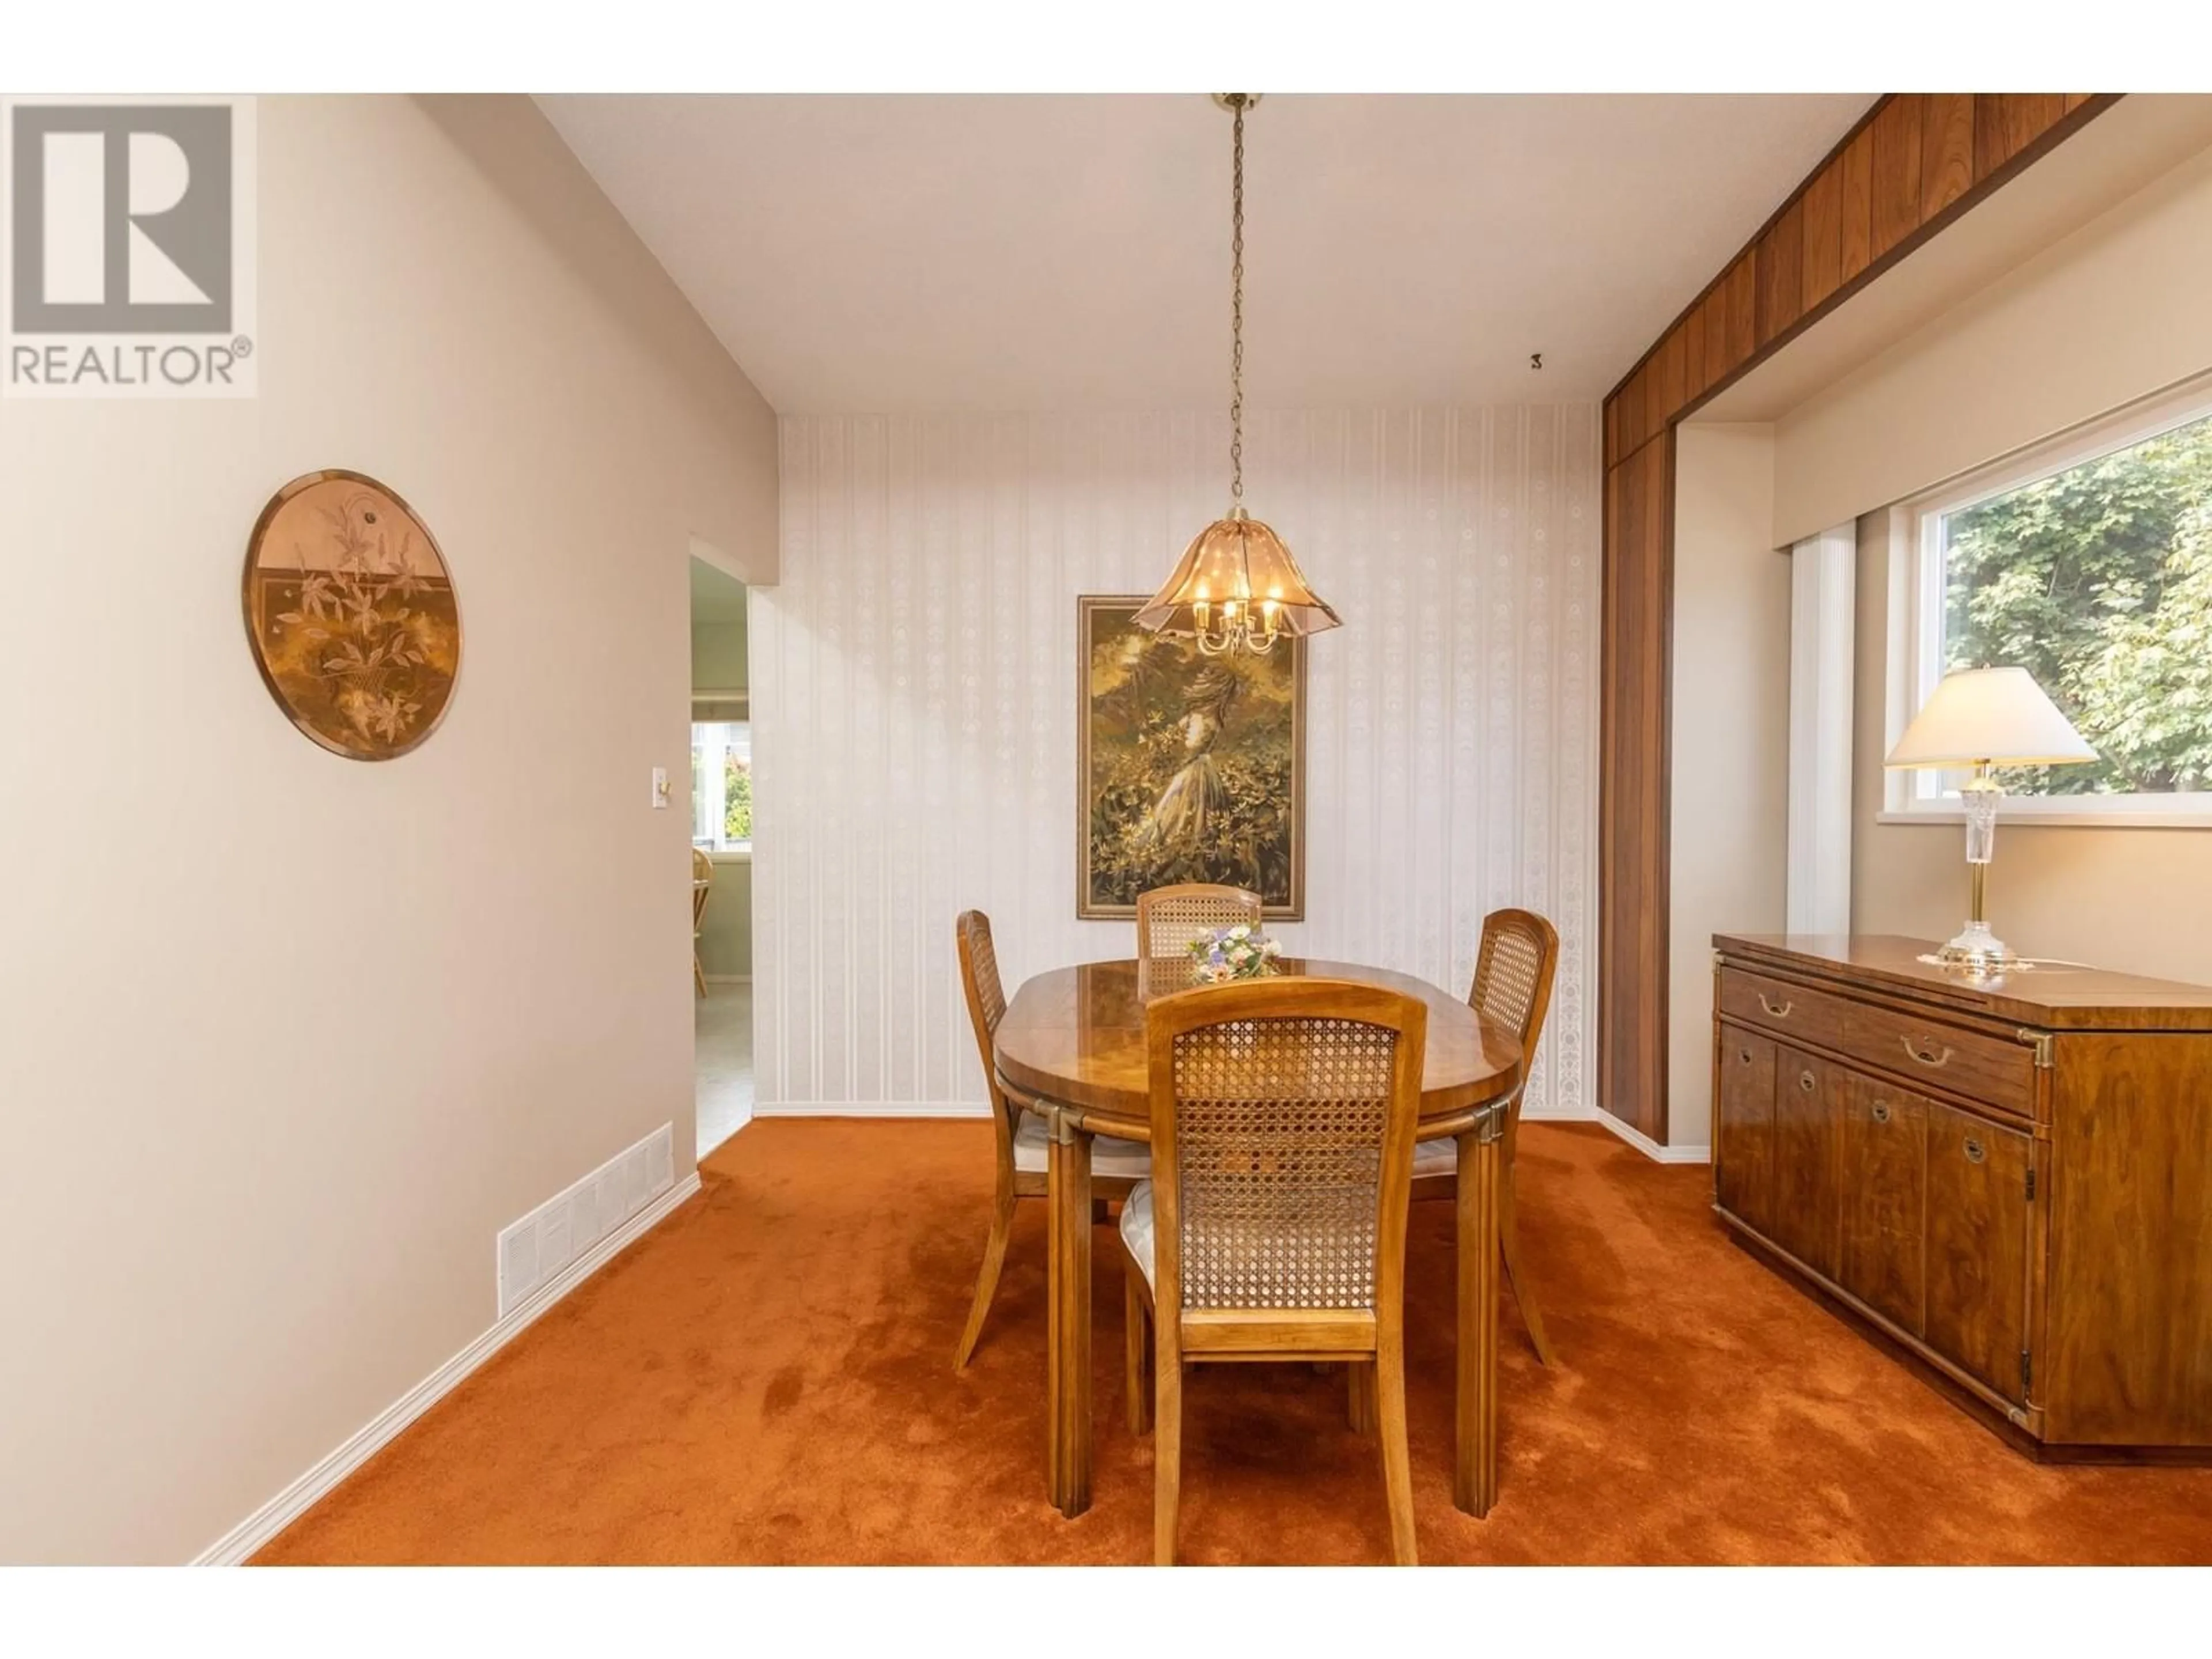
[
  {"x": 1782, "y": 273},
  {"x": 1824, "y": 216},
  {"x": 2006, "y": 122},
  {"x": 1855, "y": 207},
  {"x": 1742, "y": 334},
  {"x": 1896, "y": 178},
  {"x": 1693, "y": 331},
  {"x": 1714, "y": 309},
  {"x": 1668, "y": 374},
  {"x": 1914, "y": 157},
  {"x": 1633, "y": 741},
  {"x": 1633, "y": 432},
  {"x": 1946, "y": 150}
]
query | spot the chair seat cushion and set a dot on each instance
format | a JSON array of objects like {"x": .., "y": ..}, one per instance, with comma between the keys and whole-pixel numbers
[
  {"x": 1439, "y": 1157},
  {"x": 1123, "y": 1160},
  {"x": 1137, "y": 1226}
]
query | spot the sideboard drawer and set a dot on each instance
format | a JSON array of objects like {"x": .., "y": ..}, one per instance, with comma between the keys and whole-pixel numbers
[
  {"x": 1788, "y": 1010},
  {"x": 1995, "y": 1071}
]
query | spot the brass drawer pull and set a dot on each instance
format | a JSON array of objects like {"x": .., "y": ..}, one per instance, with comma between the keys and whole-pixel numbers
[
  {"x": 1975, "y": 1150},
  {"x": 1805, "y": 1082},
  {"x": 1923, "y": 1054},
  {"x": 1783, "y": 1013},
  {"x": 1881, "y": 1111}
]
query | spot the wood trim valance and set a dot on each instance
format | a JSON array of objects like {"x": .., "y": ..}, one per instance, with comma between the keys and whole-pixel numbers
[{"x": 1913, "y": 164}]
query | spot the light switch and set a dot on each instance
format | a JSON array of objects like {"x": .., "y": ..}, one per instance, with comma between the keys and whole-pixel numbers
[{"x": 660, "y": 789}]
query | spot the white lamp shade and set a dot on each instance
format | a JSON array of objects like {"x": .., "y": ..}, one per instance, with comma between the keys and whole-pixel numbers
[{"x": 2000, "y": 715}]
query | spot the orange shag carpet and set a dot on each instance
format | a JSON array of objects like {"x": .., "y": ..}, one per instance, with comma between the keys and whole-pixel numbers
[{"x": 767, "y": 1377}]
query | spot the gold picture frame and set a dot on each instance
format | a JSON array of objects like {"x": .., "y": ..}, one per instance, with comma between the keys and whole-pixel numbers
[
  {"x": 1189, "y": 767},
  {"x": 351, "y": 615}
]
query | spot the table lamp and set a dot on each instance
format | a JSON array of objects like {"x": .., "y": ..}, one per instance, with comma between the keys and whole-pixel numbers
[{"x": 1986, "y": 717}]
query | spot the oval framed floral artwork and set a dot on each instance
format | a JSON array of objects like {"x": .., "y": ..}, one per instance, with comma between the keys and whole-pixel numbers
[{"x": 351, "y": 612}]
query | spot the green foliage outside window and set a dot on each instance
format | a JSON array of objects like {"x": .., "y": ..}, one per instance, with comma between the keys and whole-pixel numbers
[
  {"x": 2098, "y": 580},
  {"x": 737, "y": 798}
]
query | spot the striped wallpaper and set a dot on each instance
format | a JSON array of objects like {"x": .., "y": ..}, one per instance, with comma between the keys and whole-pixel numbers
[{"x": 914, "y": 697}]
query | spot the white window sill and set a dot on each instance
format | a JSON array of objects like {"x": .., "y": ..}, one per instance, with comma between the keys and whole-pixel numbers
[{"x": 2179, "y": 818}]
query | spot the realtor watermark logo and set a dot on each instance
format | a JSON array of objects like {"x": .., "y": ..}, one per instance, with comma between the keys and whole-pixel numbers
[{"x": 129, "y": 268}]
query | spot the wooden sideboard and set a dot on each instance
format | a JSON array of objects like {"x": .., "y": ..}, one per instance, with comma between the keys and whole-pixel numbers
[{"x": 2009, "y": 1179}]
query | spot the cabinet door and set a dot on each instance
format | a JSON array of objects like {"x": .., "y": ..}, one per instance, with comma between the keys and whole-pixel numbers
[
  {"x": 1978, "y": 1247},
  {"x": 1808, "y": 1156},
  {"x": 1743, "y": 1132},
  {"x": 1882, "y": 1260}
]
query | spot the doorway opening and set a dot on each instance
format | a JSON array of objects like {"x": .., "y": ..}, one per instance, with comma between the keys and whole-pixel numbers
[{"x": 722, "y": 856}]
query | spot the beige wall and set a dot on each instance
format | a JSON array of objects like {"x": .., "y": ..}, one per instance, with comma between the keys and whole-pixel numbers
[
  {"x": 2134, "y": 899},
  {"x": 285, "y": 1039},
  {"x": 717, "y": 656},
  {"x": 1731, "y": 737},
  {"x": 2113, "y": 313}
]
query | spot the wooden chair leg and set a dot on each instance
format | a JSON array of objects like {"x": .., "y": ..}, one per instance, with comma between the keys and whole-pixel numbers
[
  {"x": 1389, "y": 1373},
  {"x": 1508, "y": 1240},
  {"x": 1137, "y": 1350},
  {"x": 698, "y": 975},
  {"x": 1359, "y": 1410},
  {"x": 1167, "y": 1451},
  {"x": 986, "y": 1282}
]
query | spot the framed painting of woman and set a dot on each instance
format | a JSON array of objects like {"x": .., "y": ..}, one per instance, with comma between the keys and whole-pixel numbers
[{"x": 1190, "y": 767}]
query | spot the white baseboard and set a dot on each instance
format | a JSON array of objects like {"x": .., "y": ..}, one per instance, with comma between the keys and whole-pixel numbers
[
  {"x": 1651, "y": 1148},
  {"x": 870, "y": 1108},
  {"x": 239, "y": 1543},
  {"x": 1635, "y": 1137}
]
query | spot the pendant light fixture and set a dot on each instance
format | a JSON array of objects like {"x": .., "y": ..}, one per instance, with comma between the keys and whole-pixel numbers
[{"x": 1237, "y": 587}]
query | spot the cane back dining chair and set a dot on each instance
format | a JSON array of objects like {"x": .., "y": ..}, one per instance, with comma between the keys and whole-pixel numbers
[
  {"x": 1512, "y": 987},
  {"x": 1019, "y": 1133},
  {"x": 1170, "y": 918},
  {"x": 1274, "y": 1226},
  {"x": 702, "y": 882}
]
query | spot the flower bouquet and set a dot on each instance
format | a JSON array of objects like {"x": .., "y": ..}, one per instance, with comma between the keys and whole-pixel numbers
[{"x": 1231, "y": 953}]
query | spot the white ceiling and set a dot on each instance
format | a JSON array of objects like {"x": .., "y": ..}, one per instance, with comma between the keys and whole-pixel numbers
[{"x": 996, "y": 253}]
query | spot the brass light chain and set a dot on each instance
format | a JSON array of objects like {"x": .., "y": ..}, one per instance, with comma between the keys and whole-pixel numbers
[{"x": 1238, "y": 100}]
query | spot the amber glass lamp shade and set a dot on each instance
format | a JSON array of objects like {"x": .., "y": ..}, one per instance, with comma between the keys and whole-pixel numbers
[{"x": 1237, "y": 584}]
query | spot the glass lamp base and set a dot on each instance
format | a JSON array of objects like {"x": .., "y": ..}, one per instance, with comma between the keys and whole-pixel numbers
[{"x": 1977, "y": 950}]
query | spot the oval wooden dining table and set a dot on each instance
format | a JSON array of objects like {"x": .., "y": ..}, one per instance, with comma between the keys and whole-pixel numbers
[{"x": 1072, "y": 1045}]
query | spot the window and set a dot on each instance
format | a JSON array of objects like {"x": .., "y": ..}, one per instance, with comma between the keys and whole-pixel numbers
[
  {"x": 722, "y": 786},
  {"x": 2088, "y": 562}
]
